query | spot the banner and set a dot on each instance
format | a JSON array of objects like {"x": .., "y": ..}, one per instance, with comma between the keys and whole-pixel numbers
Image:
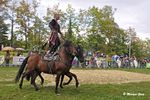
[
  {"x": 1, "y": 60},
  {"x": 17, "y": 60}
]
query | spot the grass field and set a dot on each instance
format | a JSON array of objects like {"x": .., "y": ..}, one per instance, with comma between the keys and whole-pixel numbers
[{"x": 131, "y": 91}]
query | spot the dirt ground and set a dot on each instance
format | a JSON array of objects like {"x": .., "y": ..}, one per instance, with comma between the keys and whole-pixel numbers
[{"x": 103, "y": 77}]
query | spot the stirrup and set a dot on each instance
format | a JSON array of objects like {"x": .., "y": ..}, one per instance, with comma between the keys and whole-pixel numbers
[{"x": 49, "y": 56}]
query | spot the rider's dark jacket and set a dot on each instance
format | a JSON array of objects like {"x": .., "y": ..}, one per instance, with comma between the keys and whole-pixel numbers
[
  {"x": 55, "y": 28},
  {"x": 54, "y": 25}
]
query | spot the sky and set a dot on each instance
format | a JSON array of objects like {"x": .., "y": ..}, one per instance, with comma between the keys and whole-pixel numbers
[{"x": 129, "y": 13}]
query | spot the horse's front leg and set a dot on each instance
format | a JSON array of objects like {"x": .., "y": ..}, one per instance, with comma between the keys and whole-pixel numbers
[
  {"x": 39, "y": 74},
  {"x": 57, "y": 82},
  {"x": 35, "y": 74},
  {"x": 76, "y": 79},
  {"x": 62, "y": 78},
  {"x": 42, "y": 79},
  {"x": 70, "y": 75},
  {"x": 70, "y": 78},
  {"x": 21, "y": 82},
  {"x": 23, "y": 76}
]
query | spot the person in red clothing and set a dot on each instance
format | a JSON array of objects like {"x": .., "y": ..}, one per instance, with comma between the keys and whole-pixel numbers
[{"x": 54, "y": 41}]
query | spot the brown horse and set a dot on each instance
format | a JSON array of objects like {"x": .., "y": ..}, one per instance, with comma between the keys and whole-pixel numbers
[
  {"x": 35, "y": 65},
  {"x": 79, "y": 55}
]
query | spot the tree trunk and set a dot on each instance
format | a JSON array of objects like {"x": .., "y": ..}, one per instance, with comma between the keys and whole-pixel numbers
[
  {"x": 12, "y": 32},
  {"x": 26, "y": 41}
]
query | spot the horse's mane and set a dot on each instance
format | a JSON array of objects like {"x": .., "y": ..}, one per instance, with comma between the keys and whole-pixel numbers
[{"x": 67, "y": 43}]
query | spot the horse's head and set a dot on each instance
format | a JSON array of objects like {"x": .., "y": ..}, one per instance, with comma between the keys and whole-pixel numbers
[
  {"x": 69, "y": 48},
  {"x": 79, "y": 53},
  {"x": 74, "y": 51}
]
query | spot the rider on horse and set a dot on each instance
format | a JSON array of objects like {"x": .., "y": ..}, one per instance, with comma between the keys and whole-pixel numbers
[{"x": 54, "y": 40}]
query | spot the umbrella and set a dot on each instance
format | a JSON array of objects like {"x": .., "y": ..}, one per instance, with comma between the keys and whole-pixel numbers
[
  {"x": 8, "y": 49},
  {"x": 19, "y": 49}
]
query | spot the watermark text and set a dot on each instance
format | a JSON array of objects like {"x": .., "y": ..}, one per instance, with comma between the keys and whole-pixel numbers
[{"x": 133, "y": 94}]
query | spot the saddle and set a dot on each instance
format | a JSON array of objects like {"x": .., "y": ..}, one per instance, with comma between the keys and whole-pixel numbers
[{"x": 51, "y": 57}]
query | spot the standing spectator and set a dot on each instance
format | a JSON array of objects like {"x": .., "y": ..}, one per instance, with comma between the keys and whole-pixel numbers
[
  {"x": 104, "y": 64},
  {"x": 114, "y": 59},
  {"x": 131, "y": 62},
  {"x": 135, "y": 62},
  {"x": 19, "y": 53},
  {"x": 127, "y": 62},
  {"x": 7, "y": 58},
  {"x": 75, "y": 62},
  {"x": 118, "y": 62},
  {"x": 108, "y": 61}
]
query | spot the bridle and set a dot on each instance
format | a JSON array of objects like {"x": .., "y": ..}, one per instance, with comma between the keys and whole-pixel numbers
[{"x": 79, "y": 53}]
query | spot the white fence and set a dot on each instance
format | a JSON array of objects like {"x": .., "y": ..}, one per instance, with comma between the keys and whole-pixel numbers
[
  {"x": 1, "y": 60},
  {"x": 17, "y": 60}
]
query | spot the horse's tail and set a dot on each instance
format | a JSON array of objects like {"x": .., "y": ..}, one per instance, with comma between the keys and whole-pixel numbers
[{"x": 21, "y": 69}]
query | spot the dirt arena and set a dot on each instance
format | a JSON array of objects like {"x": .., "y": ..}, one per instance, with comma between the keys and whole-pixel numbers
[{"x": 103, "y": 77}]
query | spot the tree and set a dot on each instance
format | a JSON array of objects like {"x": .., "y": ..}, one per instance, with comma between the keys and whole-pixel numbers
[
  {"x": 25, "y": 13},
  {"x": 3, "y": 32},
  {"x": 94, "y": 28},
  {"x": 11, "y": 16},
  {"x": 3, "y": 8},
  {"x": 146, "y": 47},
  {"x": 69, "y": 22},
  {"x": 131, "y": 36},
  {"x": 140, "y": 48},
  {"x": 3, "y": 25}
]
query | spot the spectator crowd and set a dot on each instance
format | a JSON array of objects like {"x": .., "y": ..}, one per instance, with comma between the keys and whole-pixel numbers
[
  {"x": 94, "y": 60},
  {"x": 101, "y": 60}
]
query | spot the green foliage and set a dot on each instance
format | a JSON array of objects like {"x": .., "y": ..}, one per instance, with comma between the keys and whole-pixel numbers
[
  {"x": 30, "y": 25},
  {"x": 24, "y": 15},
  {"x": 3, "y": 26},
  {"x": 104, "y": 34},
  {"x": 3, "y": 8},
  {"x": 94, "y": 28},
  {"x": 3, "y": 32}
]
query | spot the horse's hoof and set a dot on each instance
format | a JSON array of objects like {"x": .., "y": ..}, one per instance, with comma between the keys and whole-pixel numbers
[
  {"x": 37, "y": 89},
  {"x": 61, "y": 87},
  {"x": 77, "y": 85},
  {"x": 31, "y": 86},
  {"x": 65, "y": 83},
  {"x": 42, "y": 83},
  {"x": 20, "y": 86},
  {"x": 58, "y": 94}
]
